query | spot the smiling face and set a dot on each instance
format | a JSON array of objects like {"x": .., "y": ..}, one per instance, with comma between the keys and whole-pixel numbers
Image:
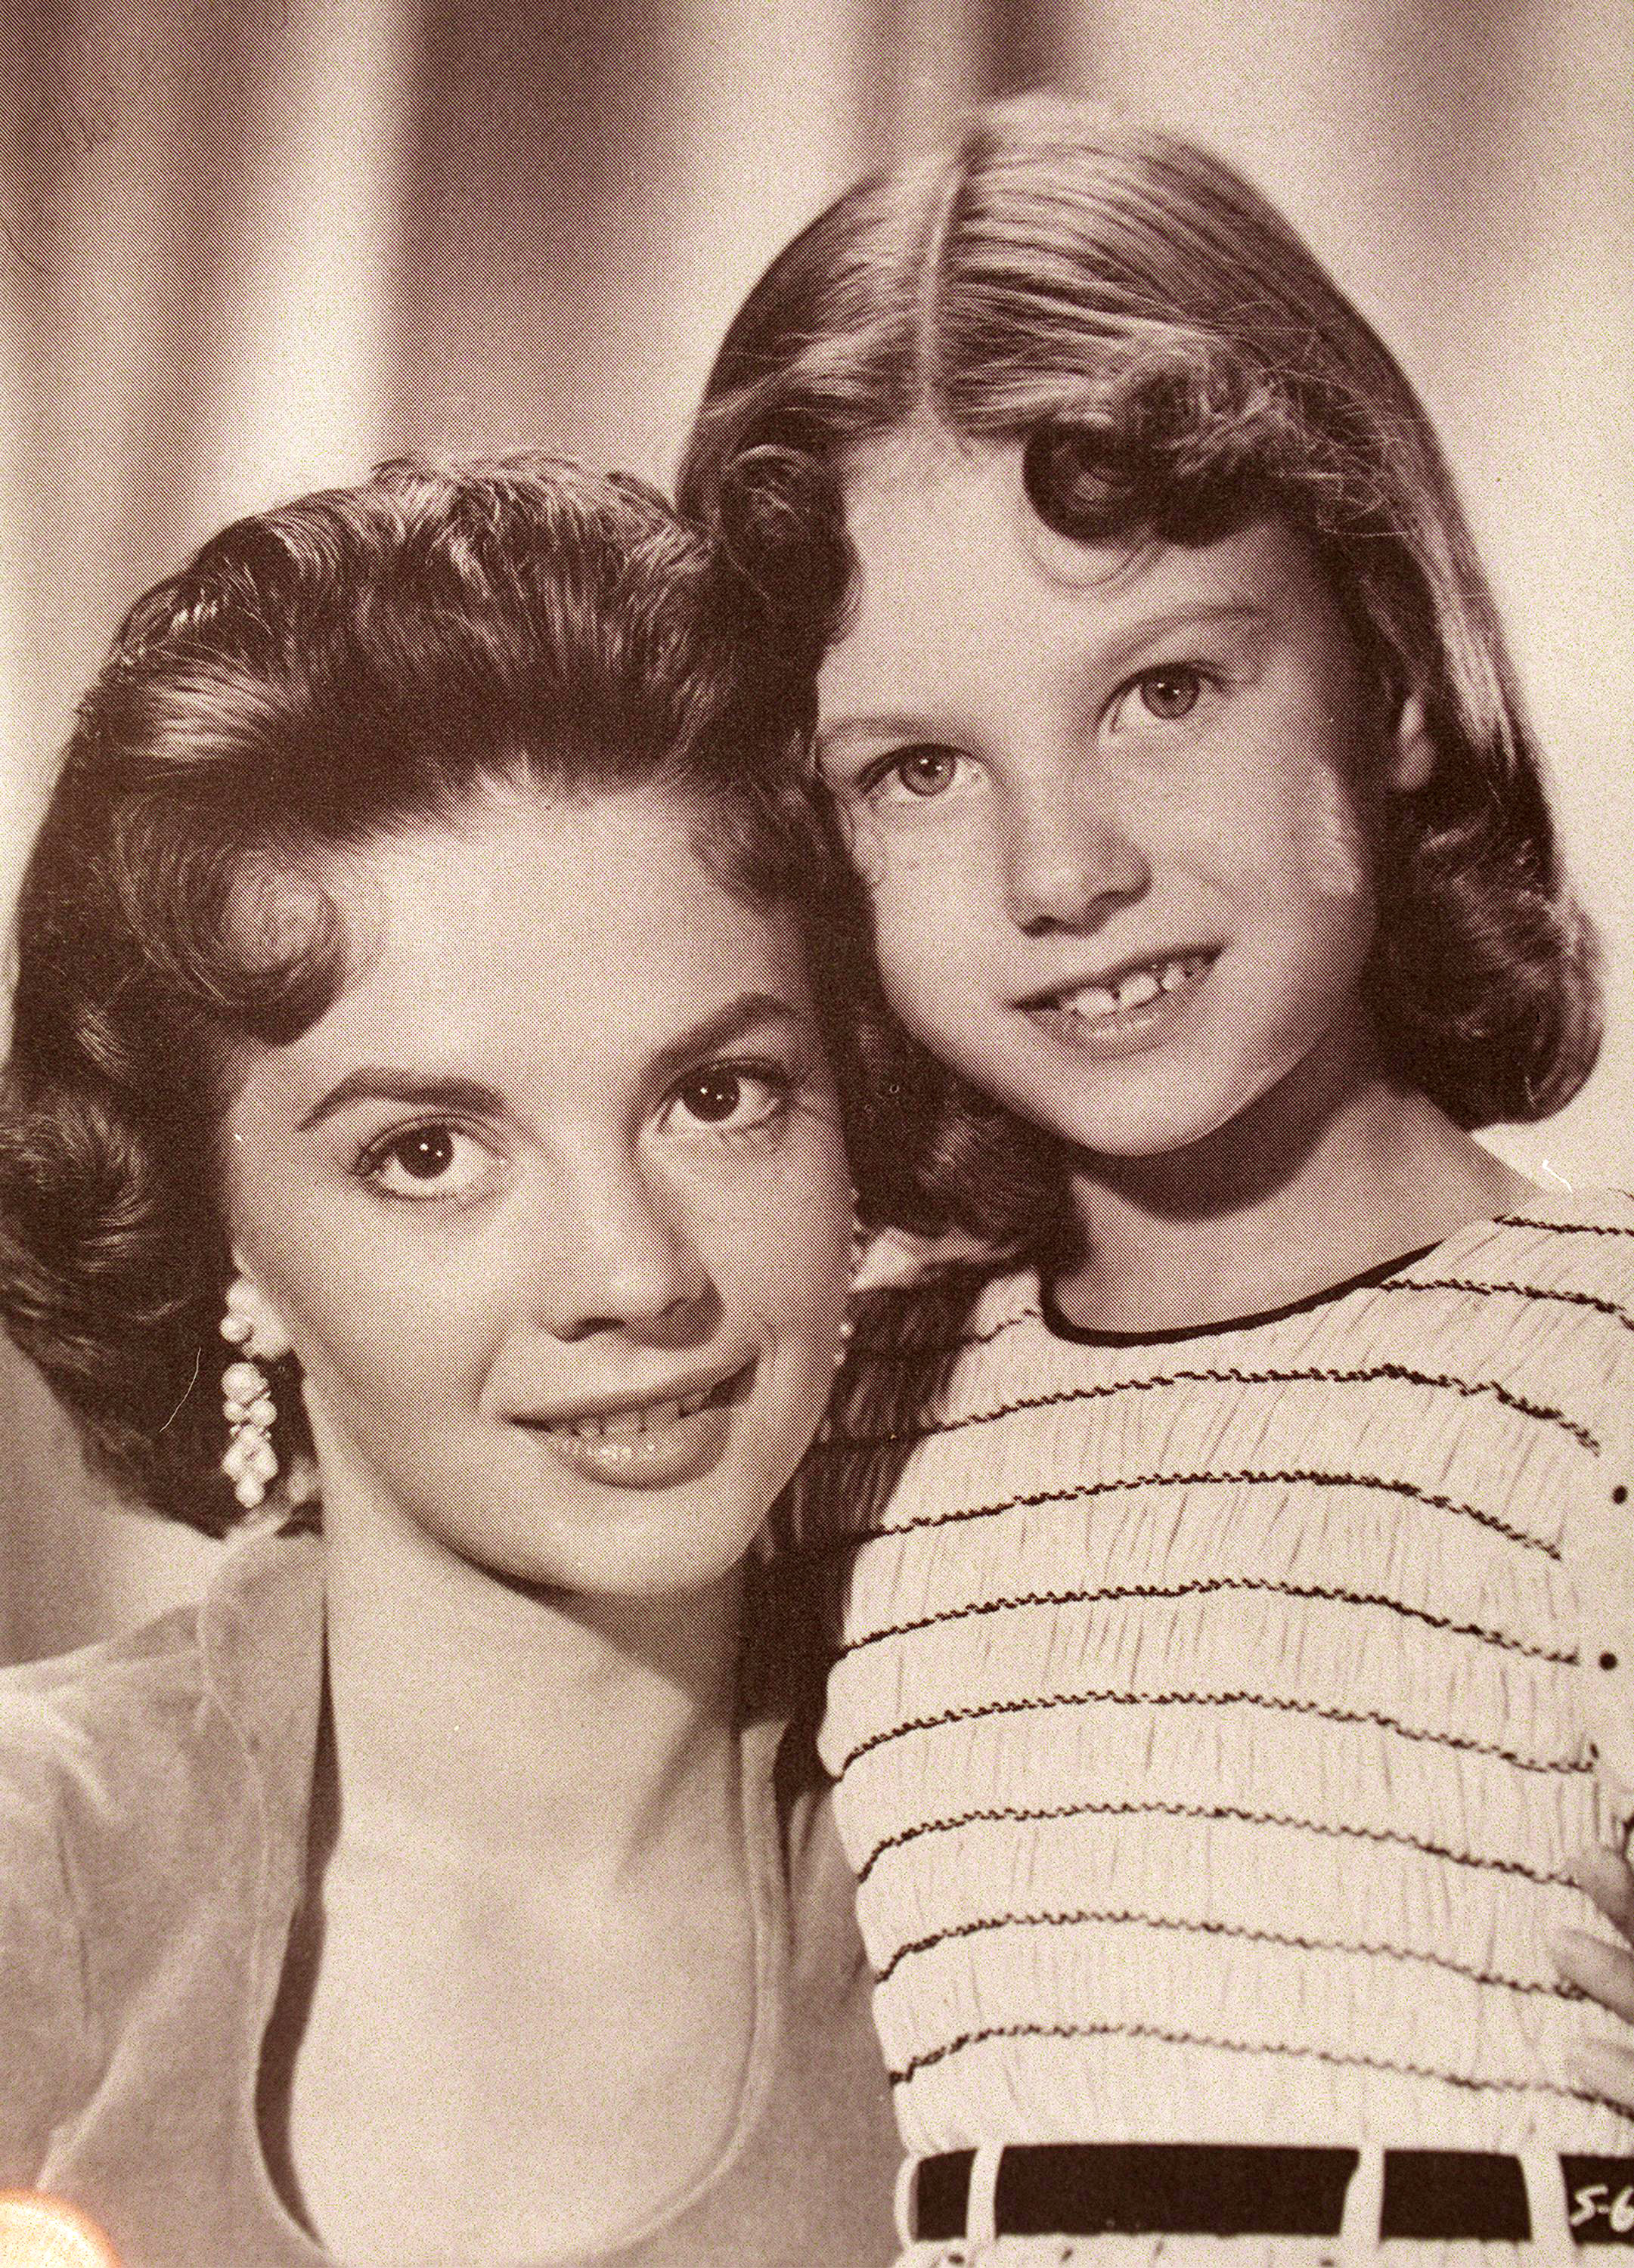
[
  {"x": 551, "y": 1202},
  {"x": 1103, "y": 802}
]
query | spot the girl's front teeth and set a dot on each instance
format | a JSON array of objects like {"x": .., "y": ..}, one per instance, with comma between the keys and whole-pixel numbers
[{"x": 1133, "y": 991}]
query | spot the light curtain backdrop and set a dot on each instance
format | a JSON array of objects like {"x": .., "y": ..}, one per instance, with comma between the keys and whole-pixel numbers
[{"x": 249, "y": 247}]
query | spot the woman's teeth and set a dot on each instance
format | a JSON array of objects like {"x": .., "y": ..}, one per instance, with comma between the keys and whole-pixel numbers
[
  {"x": 1135, "y": 988},
  {"x": 647, "y": 1417}
]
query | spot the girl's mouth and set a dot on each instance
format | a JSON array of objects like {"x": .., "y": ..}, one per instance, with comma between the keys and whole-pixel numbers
[
  {"x": 1128, "y": 1003},
  {"x": 649, "y": 1444}
]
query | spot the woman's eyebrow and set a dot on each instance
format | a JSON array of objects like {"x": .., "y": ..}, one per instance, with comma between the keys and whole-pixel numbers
[
  {"x": 750, "y": 1011},
  {"x": 373, "y": 1083},
  {"x": 472, "y": 1098}
]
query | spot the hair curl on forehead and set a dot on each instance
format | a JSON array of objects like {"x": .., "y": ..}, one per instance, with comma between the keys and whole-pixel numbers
[
  {"x": 320, "y": 676},
  {"x": 1174, "y": 364}
]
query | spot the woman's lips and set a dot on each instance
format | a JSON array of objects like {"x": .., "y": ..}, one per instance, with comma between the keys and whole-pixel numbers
[{"x": 648, "y": 1444}]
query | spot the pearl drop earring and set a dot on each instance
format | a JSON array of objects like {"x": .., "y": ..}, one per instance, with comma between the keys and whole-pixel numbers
[
  {"x": 250, "y": 1462},
  {"x": 859, "y": 1245}
]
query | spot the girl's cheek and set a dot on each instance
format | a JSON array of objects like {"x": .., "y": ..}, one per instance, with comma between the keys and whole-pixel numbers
[
  {"x": 1329, "y": 841},
  {"x": 932, "y": 887}
]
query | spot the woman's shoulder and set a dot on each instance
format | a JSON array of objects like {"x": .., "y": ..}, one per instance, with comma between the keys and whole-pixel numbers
[
  {"x": 65, "y": 1726},
  {"x": 66, "y": 1721},
  {"x": 96, "y": 1728},
  {"x": 124, "y": 1767}
]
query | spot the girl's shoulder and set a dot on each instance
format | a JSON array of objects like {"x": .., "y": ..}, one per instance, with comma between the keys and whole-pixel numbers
[
  {"x": 914, "y": 1331},
  {"x": 918, "y": 1316},
  {"x": 1562, "y": 1265},
  {"x": 1554, "y": 1239},
  {"x": 1553, "y": 1279}
]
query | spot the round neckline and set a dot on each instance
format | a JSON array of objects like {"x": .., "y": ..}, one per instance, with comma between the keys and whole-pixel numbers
[{"x": 1062, "y": 1327}]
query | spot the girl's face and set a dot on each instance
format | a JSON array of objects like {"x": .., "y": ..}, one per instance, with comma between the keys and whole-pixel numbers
[
  {"x": 1103, "y": 802},
  {"x": 551, "y": 1202}
]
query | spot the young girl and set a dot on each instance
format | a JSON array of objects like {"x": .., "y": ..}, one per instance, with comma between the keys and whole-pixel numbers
[{"x": 1247, "y": 1650}]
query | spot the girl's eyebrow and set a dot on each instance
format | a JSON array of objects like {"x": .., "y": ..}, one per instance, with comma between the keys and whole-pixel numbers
[
  {"x": 1149, "y": 629},
  {"x": 882, "y": 728}
]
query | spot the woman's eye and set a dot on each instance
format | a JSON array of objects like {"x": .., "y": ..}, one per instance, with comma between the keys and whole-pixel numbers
[
  {"x": 917, "y": 773},
  {"x": 433, "y": 1160},
  {"x": 729, "y": 1098},
  {"x": 1169, "y": 693}
]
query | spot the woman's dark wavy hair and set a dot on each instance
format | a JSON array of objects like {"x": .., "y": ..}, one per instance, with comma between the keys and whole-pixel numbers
[
  {"x": 1175, "y": 363},
  {"x": 318, "y": 676}
]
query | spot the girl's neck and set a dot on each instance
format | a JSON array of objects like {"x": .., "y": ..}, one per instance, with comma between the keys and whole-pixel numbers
[
  {"x": 1332, "y": 1173},
  {"x": 495, "y": 1728}
]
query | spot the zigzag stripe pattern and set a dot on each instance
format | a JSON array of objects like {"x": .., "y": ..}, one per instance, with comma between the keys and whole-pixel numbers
[{"x": 1216, "y": 1716}]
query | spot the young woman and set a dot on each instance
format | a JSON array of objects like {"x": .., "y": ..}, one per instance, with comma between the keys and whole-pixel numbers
[
  {"x": 414, "y": 1038},
  {"x": 1250, "y": 1646}
]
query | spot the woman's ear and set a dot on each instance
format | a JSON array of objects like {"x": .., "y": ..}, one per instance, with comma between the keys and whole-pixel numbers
[
  {"x": 1411, "y": 761},
  {"x": 264, "y": 1335}
]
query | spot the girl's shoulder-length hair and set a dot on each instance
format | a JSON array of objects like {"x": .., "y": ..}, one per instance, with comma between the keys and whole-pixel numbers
[
  {"x": 1174, "y": 363},
  {"x": 318, "y": 676}
]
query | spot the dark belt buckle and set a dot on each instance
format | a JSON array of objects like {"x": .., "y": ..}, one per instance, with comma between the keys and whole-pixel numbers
[{"x": 1477, "y": 2194}]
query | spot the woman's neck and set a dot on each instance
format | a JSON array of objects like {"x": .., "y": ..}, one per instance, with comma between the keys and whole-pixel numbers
[
  {"x": 490, "y": 1726},
  {"x": 1316, "y": 1183}
]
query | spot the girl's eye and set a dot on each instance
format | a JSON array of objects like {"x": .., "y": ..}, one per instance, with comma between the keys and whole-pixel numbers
[
  {"x": 1169, "y": 693},
  {"x": 729, "y": 1098},
  {"x": 432, "y": 1160},
  {"x": 918, "y": 774}
]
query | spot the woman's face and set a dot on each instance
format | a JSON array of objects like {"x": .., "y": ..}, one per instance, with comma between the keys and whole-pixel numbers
[
  {"x": 552, "y": 1202},
  {"x": 1103, "y": 799}
]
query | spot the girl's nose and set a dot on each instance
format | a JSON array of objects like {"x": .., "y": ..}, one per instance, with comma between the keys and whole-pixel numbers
[
  {"x": 1066, "y": 864},
  {"x": 620, "y": 1257}
]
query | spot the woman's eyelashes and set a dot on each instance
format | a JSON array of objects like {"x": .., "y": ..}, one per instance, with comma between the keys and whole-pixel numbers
[
  {"x": 435, "y": 1159},
  {"x": 431, "y": 1159},
  {"x": 729, "y": 1098}
]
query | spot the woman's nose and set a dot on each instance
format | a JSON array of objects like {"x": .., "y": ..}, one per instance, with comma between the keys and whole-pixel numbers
[
  {"x": 1067, "y": 863},
  {"x": 623, "y": 1258}
]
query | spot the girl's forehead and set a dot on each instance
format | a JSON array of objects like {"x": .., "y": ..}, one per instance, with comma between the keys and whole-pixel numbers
[
  {"x": 925, "y": 503},
  {"x": 949, "y": 549}
]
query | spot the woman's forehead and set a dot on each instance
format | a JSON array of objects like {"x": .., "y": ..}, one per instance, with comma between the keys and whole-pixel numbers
[{"x": 536, "y": 919}]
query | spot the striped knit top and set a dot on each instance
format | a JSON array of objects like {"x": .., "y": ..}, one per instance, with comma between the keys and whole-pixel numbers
[{"x": 1216, "y": 1712}]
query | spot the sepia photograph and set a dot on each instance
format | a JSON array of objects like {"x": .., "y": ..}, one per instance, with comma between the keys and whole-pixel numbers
[{"x": 816, "y": 1273}]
